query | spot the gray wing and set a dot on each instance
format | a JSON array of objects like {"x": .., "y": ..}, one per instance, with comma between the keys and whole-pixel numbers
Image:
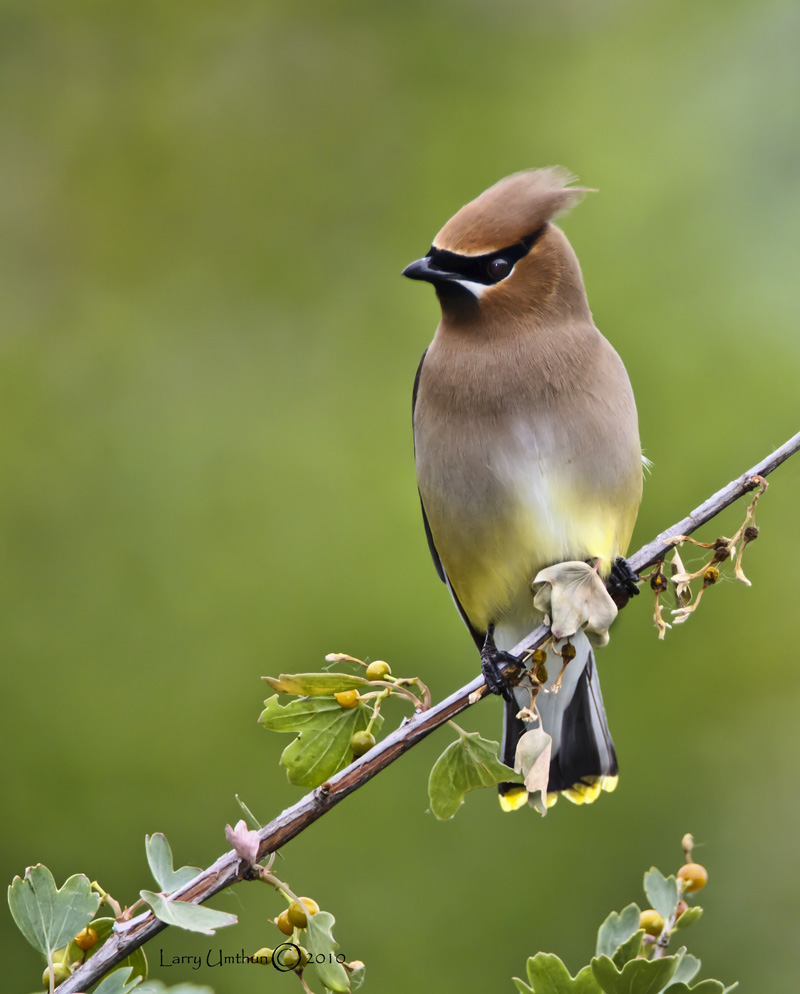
[
  {"x": 478, "y": 637},
  {"x": 437, "y": 562}
]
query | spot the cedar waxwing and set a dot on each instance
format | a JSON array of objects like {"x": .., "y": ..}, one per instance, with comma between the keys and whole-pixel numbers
[{"x": 527, "y": 451}]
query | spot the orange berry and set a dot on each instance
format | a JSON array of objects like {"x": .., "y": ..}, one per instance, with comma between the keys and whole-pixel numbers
[
  {"x": 86, "y": 939},
  {"x": 694, "y": 877}
]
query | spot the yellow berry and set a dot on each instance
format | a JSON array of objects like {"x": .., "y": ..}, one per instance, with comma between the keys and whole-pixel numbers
[
  {"x": 651, "y": 921},
  {"x": 710, "y": 576},
  {"x": 378, "y": 670},
  {"x": 297, "y": 915},
  {"x": 290, "y": 958},
  {"x": 305, "y": 957},
  {"x": 61, "y": 972},
  {"x": 263, "y": 957},
  {"x": 694, "y": 877},
  {"x": 283, "y": 923},
  {"x": 298, "y": 912},
  {"x": 362, "y": 742},
  {"x": 347, "y": 698}
]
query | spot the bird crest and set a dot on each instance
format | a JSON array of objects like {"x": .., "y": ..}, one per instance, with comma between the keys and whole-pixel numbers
[{"x": 510, "y": 211}]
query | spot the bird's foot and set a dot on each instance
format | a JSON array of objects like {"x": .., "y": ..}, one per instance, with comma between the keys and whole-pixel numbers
[
  {"x": 622, "y": 582},
  {"x": 497, "y": 667}
]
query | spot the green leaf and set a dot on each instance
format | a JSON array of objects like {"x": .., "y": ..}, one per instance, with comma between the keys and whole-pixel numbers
[
  {"x": 617, "y": 929},
  {"x": 157, "y": 987},
  {"x": 159, "y": 857},
  {"x": 467, "y": 763},
  {"x": 704, "y": 987},
  {"x": 689, "y": 917},
  {"x": 47, "y": 917},
  {"x": 319, "y": 940},
  {"x": 192, "y": 917},
  {"x": 315, "y": 684},
  {"x": 688, "y": 968},
  {"x": 628, "y": 950},
  {"x": 324, "y": 729},
  {"x": 548, "y": 975},
  {"x": 104, "y": 927},
  {"x": 117, "y": 982},
  {"x": 640, "y": 976},
  {"x": 662, "y": 892},
  {"x": 252, "y": 821}
]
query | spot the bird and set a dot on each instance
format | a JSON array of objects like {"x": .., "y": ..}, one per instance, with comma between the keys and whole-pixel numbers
[{"x": 527, "y": 452}]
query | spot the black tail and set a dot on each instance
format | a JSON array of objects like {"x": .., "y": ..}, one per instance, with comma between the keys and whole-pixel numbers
[{"x": 583, "y": 760}]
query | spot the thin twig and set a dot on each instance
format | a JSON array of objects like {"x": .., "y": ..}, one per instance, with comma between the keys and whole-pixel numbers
[{"x": 226, "y": 870}]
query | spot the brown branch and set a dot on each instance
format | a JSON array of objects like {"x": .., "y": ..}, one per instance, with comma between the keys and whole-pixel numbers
[
  {"x": 654, "y": 550},
  {"x": 227, "y": 869}
]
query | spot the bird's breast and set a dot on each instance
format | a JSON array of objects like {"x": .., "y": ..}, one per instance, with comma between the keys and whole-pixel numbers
[
  {"x": 510, "y": 483},
  {"x": 494, "y": 512}
]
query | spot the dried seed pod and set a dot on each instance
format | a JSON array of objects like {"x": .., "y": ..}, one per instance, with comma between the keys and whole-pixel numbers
[{"x": 722, "y": 550}]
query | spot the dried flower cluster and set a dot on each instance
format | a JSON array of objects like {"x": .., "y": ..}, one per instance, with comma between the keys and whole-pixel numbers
[{"x": 680, "y": 579}]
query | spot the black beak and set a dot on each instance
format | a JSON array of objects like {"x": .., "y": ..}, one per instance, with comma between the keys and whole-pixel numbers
[{"x": 422, "y": 270}]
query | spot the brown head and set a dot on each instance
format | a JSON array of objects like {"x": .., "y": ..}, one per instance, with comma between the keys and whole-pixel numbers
[{"x": 502, "y": 257}]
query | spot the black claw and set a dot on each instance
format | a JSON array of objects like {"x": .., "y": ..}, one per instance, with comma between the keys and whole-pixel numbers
[
  {"x": 494, "y": 663},
  {"x": 623, "y": 582}
]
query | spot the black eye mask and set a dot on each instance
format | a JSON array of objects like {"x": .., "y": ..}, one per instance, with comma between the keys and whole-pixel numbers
[{"x": 487, "y": 269}]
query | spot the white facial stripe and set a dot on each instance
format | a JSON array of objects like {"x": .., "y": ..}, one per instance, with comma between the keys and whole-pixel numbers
[{"x": 476, "y": 289}]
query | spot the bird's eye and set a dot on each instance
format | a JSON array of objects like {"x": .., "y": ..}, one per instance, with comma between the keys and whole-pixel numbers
[{"x": 498, "y": 269}]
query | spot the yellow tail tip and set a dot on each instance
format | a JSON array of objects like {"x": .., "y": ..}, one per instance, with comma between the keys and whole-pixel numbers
[
  {"x": 513, "y": 799},
  {"x": 587, "y": 791}
]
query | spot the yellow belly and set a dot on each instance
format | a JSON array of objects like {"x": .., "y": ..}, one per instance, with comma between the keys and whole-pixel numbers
[{"x": 491, "y": 559}]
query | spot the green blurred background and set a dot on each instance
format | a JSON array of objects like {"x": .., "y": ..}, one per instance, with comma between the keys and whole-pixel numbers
[{"x": 207, "y": 358}]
